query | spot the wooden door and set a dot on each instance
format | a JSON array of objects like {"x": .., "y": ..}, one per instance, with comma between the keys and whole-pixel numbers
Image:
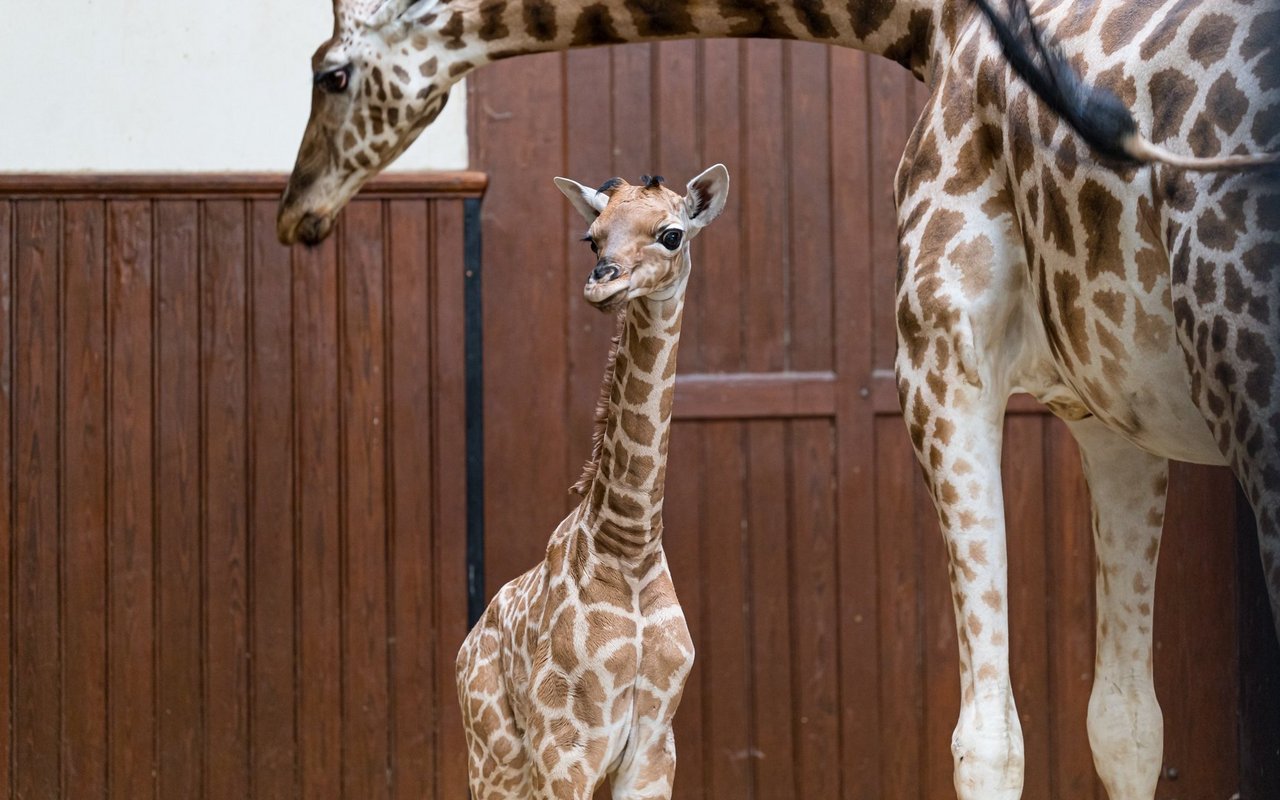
[{"x": 804, "y": 547}]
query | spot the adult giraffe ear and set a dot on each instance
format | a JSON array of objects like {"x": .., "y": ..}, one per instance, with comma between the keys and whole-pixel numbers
[
  {"x": 588, "y": 201},
  {"x": 389, "y": 11},
  {"x": 706, "y": 197}
]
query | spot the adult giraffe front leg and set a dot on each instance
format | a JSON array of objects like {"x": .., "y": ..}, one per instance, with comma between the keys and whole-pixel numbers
[
  {"x": 958, "y": 443},
  {"x": 956, "y": 358},
  {"x": 1126, "y": 729}
]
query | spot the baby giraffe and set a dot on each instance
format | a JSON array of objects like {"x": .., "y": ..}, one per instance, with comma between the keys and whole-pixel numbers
[{"x": 575, "y": 670}]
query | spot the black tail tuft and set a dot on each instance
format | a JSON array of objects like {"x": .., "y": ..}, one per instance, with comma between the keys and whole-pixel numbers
[{"x": 1095, "y": 113}]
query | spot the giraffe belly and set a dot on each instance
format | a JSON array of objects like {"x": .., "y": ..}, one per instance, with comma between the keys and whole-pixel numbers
[{"x": 1136, "y": 383}]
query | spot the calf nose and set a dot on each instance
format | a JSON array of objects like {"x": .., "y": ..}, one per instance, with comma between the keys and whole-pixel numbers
[{"x": 604, "y": 272}]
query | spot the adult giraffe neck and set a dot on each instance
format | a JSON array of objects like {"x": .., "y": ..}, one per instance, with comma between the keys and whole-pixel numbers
[
  {"x": 490, "y": 30},
  {"x": 625, "y": 481}
]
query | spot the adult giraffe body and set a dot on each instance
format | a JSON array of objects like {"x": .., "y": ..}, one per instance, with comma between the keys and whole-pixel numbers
[{"x": 1141, "y": 303}]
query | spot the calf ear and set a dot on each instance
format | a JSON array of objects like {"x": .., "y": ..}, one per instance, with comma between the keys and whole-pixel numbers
[
  {"x": 588, "y": 201},
  {"x": 706, "y": 197}
]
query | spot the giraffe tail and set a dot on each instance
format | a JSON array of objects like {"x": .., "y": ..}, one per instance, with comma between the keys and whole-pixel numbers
[{"x": 1094, "y": 112}]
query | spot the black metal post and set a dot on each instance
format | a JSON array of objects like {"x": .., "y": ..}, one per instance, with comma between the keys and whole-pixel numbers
[{"x": 474, "y": 357}]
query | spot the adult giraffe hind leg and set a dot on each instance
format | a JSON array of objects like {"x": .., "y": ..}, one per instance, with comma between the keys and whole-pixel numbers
[
  {"x": 1126, "y": 729},
  {"x": 1226, "y": 302}
]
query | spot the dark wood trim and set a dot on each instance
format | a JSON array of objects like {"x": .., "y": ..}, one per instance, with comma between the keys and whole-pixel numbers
[
  {"x": 196, "y": 185},
  {"x": 1259, "y": 712},
  {"x": 473, "y": 333},
  {"x": 755, "y": 395}
]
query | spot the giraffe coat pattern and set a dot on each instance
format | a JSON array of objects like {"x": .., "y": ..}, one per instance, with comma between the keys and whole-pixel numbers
[
  {"x": 574, "y": 672},
  {"x": 1141, "y": 303}
]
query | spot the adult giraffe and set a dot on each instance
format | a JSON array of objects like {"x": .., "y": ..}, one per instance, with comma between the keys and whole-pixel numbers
[{"x": 1139, "y": 302}]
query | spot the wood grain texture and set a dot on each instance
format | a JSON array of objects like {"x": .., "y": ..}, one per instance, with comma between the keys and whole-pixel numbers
[
  {"x": 223, "y": 346},
  {"x": 8, "y": 233},
  {"x": 35, "y": 691},
  {"x": 179, "y": 533},
  {"x": 202, "y": 505},
  {"x": 84, "y": 498},
  {"x": 130, "y": 515}
]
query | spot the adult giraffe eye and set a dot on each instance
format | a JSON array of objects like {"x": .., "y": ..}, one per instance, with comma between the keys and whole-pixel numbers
[
  {"x": 671, "y": 239},
  {"x": 335, "y": 81}
]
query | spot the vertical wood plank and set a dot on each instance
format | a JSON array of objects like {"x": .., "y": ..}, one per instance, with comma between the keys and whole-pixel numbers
[
  {"x": 815, "y": 616},
  {"x": 412, "y": 531},
  {"x": 631, "y": 104},
  {"x": 364, "y": 558},
  {"x": 272, "y": 687},
  {"x": 712, "y": 338},
  {"x": 764, "y": 201},
  {"x": 7, "y": 487},
  {"x": 316, "y": 435},
  {"x": 1069, "y": 544},
  {"x": 1196, "y": 663},
  {"x": 1023, "y": 471},
  {"x": 675, "y": 116},
  {"x": 523, "y": 247},
  {"x": 898, "y": 530},
  {"x": 770, "y": 556},
  {"x": 130, "y": 689},
  {"x": 222, "y": 355},
  {"x": 449, "y": 453},
  {"x": 179, "y": 719},
  {"x": 84, "y": 501},
  {"x": 809, "y": 176},
  {"x": 36, "y": 662},
  {"x": 725, "y": 649},
  {"x": 856, "y": 497}
]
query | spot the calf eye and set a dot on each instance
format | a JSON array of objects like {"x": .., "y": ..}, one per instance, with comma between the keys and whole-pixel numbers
[
  {"x": 334, "y": 81},
  {"x": 670, "y": 239}
]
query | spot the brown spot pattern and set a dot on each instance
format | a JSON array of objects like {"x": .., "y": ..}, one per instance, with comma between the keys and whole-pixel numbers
[
  {"x": 492, "y": 24},
  {"x": 1225, "y": 104},
  {"x": 1057, "y": 221},
  {"x": 660, "y": 17},
  {"x": 595, "y": 26},
  {"x": 539, "y": 19},
  {"x": 868, "y": 15},
  {"x": 1066, "y": 292},
  {"x": 1100, "y": 213}
]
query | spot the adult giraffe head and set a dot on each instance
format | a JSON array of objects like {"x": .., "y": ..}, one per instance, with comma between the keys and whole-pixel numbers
[
  {"x": 385, "y": 74},
  {"x": 378, "y": 82}
]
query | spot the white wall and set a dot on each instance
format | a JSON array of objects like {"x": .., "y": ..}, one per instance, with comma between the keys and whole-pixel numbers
[{"x": 164, "y": 86}]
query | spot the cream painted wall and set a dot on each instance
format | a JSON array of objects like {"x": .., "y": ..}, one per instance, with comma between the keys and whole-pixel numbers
[{"x": 163, "y": 86}]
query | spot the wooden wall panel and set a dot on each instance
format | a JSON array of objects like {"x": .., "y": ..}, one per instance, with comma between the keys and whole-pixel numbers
[
  {"x": 233, "y": 538},
  {"x": 802, "y": 541}
]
